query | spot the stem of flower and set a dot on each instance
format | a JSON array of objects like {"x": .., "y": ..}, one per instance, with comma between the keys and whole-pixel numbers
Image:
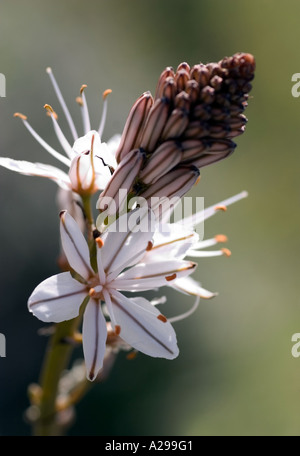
[
  {"x": 56, "y": 359},
  {"x": 50, "y": 420}
]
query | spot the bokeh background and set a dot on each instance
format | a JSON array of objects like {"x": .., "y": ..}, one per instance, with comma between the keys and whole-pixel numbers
[{"x": 235, "y": 374}]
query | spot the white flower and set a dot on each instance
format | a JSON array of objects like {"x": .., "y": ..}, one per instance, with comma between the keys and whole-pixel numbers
[
  {"x": 89, "y": 161},
  {"x": 119, "y": 255},
  {"x": 179, "y": 240}
]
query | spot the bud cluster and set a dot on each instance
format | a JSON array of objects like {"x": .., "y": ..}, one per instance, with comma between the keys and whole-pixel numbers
[{"x": 188, "y": 124}]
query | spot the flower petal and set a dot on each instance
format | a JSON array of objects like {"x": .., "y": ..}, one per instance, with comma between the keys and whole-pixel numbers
[
  {"x": 57, "y": 298},
  {"x": 94, "y": 334},
  {"x": 37, "y": 169},
  {"x": 146, "y": 276},
  {"x": 172, "y": 240},
  {"x": 126, "y": 241},
  {"x": 143, "y": 329},
  {"x": 189, "y": 286},
  {"x": 75, "y": 246}
]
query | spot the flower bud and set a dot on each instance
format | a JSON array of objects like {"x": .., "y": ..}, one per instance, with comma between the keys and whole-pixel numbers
[
  {"x": 122, "y": 179},
  {"x": 130, "y": 138},
  {"x": 165, "y": 157}
]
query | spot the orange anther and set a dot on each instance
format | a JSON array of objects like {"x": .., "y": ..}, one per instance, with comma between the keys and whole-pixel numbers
[
  {"x": 105, "y": 93},
  {"x": 221, "y": 238},
  {"x": 226, "y": 252},
  {"x": 21, "y": 116},
  {"x": 117, "y": 330},
  {"x": 162, "y": 318},
  {"x": 99, "y": 241},
  {"x": 171, "y": 277},
  {"x": 221, "y": 208}
]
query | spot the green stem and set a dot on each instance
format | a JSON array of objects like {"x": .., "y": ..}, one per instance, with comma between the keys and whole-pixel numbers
[{"x": 57, "y": 358}]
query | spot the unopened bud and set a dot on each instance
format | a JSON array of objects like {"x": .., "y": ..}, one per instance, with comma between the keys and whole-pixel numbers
[
  {"x": 123, "y": 178},
  {"x": 155, "y": 124},
  {"x": 161, "y": 161},
  {"x": 130, "y": 138},
  {"x": 175, "y": 183}
]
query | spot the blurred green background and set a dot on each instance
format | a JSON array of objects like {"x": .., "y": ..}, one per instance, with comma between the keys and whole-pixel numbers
[{"x": 235, "y": 374}]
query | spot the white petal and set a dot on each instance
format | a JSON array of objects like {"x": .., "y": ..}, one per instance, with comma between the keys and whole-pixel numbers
[
  {"x": 189, "y": 286},
  {"x": 75, "y": 246},
  {"x": 171, "y": 241},
  {"x": 94, "y": 334},
  {"x": 37, "y": 169},
  {"x": 83, "y": 144},
  {"x": 113, "y": 144},
  {"x": 57, "y": 298},
  {"x": 142, "y": 329},
  {"x": 125, "y": 242},
  {"x": 147, "y": 276}
]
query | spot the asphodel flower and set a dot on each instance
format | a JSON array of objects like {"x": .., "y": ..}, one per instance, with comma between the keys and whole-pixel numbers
[
  {"x": 180, "y": 240},
  {"x": 119, "y": 268},
  {"x": 89, "y": 163}
]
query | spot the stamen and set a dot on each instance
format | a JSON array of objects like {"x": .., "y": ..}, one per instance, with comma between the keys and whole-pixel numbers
[
  {"x": 132, "y": 355},
  {"x": 110, "y": 309},
  {"x": 117, "y": 330},
  {"x": 202, "y": 215},
  {"x": 62, "y": 103},
  {"x": 221, "y": 238},
  {"x": 43, "y": 143},
  {"x": 226, "y": 252},
  {"x": 79, "y": 101},
  {"x": 149, "y": 246},
  {"x": 171, "y": 277},
  {"x": 84, "y": 111},
  {"x": 60, "y": 136},
  {"x": 84, "y": 86},
  {"x": 105, "y": 93},
  {"x": 99, "y": 241},
  {"x": 104, "y": 112},
  {"x": 221, "y": 208},
  {"x": 186, "y": 314},
  {"x": 92, "y": 292},
  {"x": 101, "y": 272},
  {"x": 162, "y": 318},
  {"x": 49, "y": 114},
  {"x": 21, "y": 116}
]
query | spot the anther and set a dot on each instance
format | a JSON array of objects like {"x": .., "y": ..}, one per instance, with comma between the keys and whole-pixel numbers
[
  {"x": 171, "y": 277},
  {"x": 52, "y": 113},
  {"x": 21, "y": 116},
  {"x": 106, "y": 93},
  {"x": 79, "y": 100},
  {"x": 99, "y": 241},
  {"x": 226, "y": 252},
  {"x": 221, "y": 208},
  {"x": 149, "y": 246},
  {"x": 84, "y": 86},
  {"x": 221, "y": 238},
  {"x": 198, "y": 180},
  {"x": 162, "y": 318},
  {"x": 132, "y": 355},
  {"x": 117, "y": 330},
  {"x": 49, "y": 108},
  {"x": 92, "y": 292}
]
